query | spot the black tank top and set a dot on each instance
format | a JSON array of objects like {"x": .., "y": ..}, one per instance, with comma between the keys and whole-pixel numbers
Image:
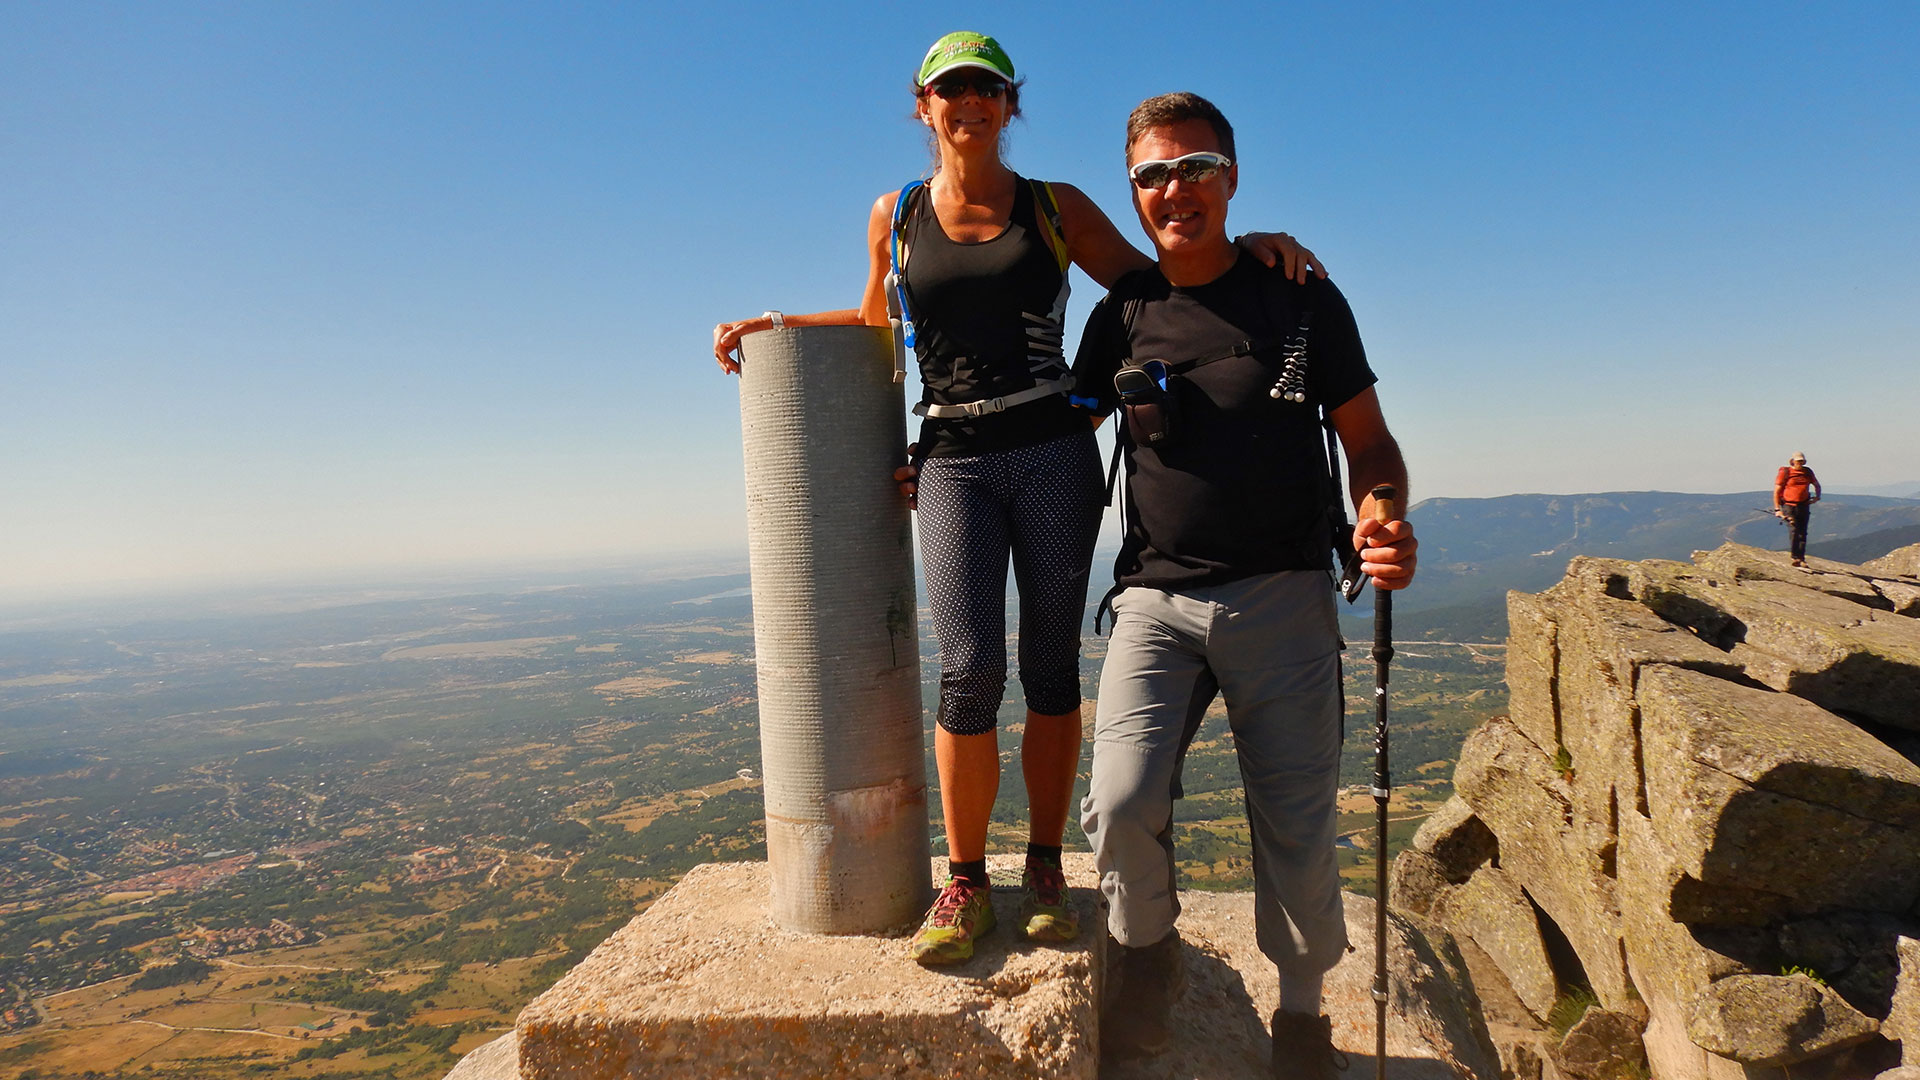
[{"x": 989, "y": 320}]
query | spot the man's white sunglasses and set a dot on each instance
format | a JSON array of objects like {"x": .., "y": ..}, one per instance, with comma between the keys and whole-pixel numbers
[{"x": 1190, "y": 168}]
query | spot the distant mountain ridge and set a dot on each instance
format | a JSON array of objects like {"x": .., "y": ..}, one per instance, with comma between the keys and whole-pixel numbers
[
  {"x": 1473, "y": 550},
  {"x": 1906, "y": 489},
  {"x": 1859, "y": 549}
]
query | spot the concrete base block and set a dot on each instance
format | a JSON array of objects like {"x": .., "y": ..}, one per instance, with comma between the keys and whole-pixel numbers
[{"x": 704, "y": 985}]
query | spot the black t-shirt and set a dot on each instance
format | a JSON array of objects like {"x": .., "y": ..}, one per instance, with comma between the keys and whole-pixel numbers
[
  {"x": 988, "y": 319},
  {"x": 1242, "y": 487}
]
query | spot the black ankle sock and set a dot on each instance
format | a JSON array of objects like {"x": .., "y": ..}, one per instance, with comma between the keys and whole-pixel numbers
[
  {"x": 973, "y": 873},
  {"x": 1044, "y": 853}
]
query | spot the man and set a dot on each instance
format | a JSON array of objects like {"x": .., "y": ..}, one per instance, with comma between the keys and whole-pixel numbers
[
  {"x": 1795, "y": 490},
  {"x": 1222, "y": 583}
]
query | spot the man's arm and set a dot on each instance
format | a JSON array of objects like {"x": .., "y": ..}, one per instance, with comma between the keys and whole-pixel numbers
[{"x": 1388, "y": 552}]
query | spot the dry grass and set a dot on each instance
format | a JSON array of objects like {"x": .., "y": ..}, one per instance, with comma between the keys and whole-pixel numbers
[
  {"x": 475, "y": 650},
  {"x": 714, "y": 657},
  {"x": 636, "y": 685}
]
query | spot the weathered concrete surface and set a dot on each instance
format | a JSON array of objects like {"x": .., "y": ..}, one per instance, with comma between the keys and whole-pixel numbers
[{"x": 704, "y": 984}]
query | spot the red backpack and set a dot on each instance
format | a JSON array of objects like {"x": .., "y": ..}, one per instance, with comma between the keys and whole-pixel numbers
[{"x": 1792, "y": 482}]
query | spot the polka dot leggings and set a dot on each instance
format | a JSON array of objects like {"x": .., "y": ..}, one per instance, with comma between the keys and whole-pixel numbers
[{"x": 1042, "y": 505}]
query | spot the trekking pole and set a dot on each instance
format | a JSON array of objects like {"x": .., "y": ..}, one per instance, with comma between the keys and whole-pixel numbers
[{"x": 1383, "y": 498}]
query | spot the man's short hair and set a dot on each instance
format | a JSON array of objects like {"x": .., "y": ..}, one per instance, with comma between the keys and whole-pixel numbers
[{"x": 1167, "y": 110}]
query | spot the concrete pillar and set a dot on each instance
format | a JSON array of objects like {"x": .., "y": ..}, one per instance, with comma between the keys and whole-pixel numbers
[{"x": 835, "y": 629}]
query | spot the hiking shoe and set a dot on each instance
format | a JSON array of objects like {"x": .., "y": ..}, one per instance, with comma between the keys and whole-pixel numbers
[
  {"x": 1138, "y": 1021},
  {"x": 1303, "y": 1048},
  {"x": 960, "y": 915},
  {"x": 1045, "y": 912}
]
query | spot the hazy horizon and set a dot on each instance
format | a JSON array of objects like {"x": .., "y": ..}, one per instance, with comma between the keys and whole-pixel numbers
[{"x": 293, "y": 588}]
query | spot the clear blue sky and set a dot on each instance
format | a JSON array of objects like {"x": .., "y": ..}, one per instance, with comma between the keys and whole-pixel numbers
[{"x": 297, "y": 287}]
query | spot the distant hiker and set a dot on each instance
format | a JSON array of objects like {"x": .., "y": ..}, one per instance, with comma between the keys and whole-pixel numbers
[
  {"x": 1795, "y": 490},
  {"x": 1009, "y": 468},
  {"x": 1222, "y": 581}
]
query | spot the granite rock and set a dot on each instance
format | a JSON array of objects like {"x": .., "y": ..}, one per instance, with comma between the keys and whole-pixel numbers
[
  {"x": 1771, "y": 1021},
  {"x": 1856, "y": 952},
  {"x": 1742, "y": 563},
  {"x": 1495, "y": 913},
  {"x": 1901, "y": 562},
  {"x": 1563, "y": 861},
  {"x": 1457, "y": 839},
  {"x": 1903, "y": 1016},
  {"x": 1601, "y": 1045},
  {"x": 1837, "y": 654},
  {"x": 1744, "y": 785}
]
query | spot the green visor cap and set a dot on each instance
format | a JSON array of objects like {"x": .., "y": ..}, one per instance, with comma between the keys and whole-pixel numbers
[{"x": 964, "y": 48}]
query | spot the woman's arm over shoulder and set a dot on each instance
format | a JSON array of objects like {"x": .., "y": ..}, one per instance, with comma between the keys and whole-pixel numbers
[
  {"x": 1283, "y": 251},
  {"x": 727, "y": 335},
  {"x": 1092, "y": 241}
]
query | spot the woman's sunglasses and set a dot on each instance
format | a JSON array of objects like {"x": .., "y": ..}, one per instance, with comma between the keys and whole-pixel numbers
[
  {"x": 1190, "y": 168},
  {"x": 985, "y": 86}
]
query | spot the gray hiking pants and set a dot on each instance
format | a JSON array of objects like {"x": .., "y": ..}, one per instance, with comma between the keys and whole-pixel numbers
[{"x": 1272, "y": 646}]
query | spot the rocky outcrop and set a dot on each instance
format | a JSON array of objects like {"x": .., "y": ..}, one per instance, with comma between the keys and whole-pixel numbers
[
  {"x": 1774, "y": 1020},
  {"x": 1601, "y": 1045},
  {"x": 1902, "y": 562},
  {"x": 1705, "y": 799}
]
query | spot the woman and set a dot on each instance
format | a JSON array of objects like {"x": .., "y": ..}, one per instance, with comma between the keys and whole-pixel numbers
[{"x": 984, "y": 283}]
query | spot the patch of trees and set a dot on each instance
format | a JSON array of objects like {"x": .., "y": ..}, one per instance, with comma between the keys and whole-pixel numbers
[
  {"x": 567, "y": 835},
  {"x": 179, "y": 973},
  {"x": 382, "y": 1040}
]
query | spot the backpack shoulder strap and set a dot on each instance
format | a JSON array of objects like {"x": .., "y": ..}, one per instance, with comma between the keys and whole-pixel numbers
[
  {"x": 896, "y": 261},
  {"x": 902, "y": 206},
  {"x": 1051, "y": 230}
]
